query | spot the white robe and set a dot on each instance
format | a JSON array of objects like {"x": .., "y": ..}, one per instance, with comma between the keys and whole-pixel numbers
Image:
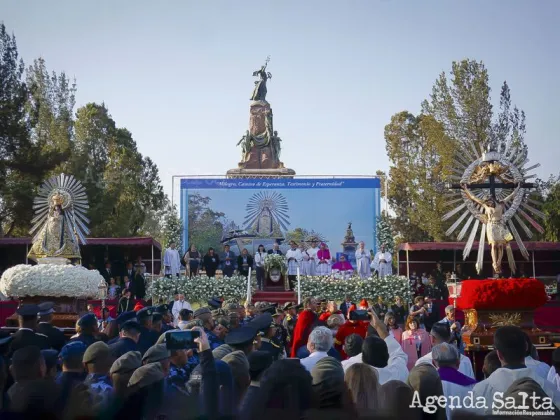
[
  {"x": 363, "y": 261},
  {"x": 312, "y": 252},
  {"x": 293, "y": 265},
  {"x": 540, "y": 368},
  {"x": 305, "y": 264},
  {"x": 178, "y": 306},
  {"x": 554, "y": 378},
  {"x": 172, "y": 262},
  {"x": 383, "y": 268},
  {"x": 465, "y": 366},
  {"x": 451, "y": 389}
]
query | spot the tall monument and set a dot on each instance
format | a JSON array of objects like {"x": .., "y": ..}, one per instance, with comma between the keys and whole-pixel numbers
[{"x": 260, "y": 145}]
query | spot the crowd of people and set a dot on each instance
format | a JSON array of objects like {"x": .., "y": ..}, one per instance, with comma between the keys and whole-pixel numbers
[{"x": 314, "y": 360}]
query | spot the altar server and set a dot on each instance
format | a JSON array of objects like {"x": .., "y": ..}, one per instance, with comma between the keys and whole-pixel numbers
[
  {"x": 172, "y": 261},
  {"x": 323, "y": 261},
  {"x": 382, "y": 263},
  {"x": 294, "y": 258},
  {"x": 363, "y": 261}
]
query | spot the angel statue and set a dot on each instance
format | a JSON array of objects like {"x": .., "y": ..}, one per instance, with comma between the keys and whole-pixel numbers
[
  {"x": 259, "y": 92},
  {"x": 60, "y": 224},
  {"x": 497, "y": 233}
]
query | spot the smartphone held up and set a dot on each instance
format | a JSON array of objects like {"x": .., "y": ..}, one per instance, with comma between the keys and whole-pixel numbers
[{"x": 181, "y": 340}]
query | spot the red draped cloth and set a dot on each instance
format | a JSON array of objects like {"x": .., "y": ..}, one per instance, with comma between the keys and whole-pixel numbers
[
  {"x": 304, "y": 325},
  {"x": 346, "y": 329}
]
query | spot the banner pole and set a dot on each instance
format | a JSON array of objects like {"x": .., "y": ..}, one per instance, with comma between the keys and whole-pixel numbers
[
  {"x": 298, "y": 287},
  {"x": 249, "y": 286}
]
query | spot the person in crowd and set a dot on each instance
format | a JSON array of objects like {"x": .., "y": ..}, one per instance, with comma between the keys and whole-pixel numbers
[
  {"x": 352, "y": 347},
  {"x": 532, "y": 359},
  {"x": 98, "y": 361},
  {"x": 281, "y": 337},
  {"x": 491, "y": 363},
  {"x": 114, "y": 290},
  {"x": 432, "y": 313},
  {"x": 383, "y": 262},
  {"x": 334, "y": 322},
  {"x": 211, "y": 262},
  {"x": 259, "y": 362},
  {"x": 424, "y": 278},
  {"x": 396, "y": 401},
  {"x": 193, "y": 260},
  {"x": 350, "y": 327},
  {"x": 242, "y": 338},
  {"x": 158, "y": 353},
  {"x": 417, "y": 286},
  {"x": 130, "y": 269},
  {"x": 511, "y": 347},
  {"x": 399, "y": 311},
  {"x": 380, "y": 308},
  {"x": 363, "y": 261},
  {"x": 323, "y": 261},
  {"x": 128, "y": 283},
  {"x": 433, "y": 290},
  {"x": 345, "y": 306},
  {"x": 318, "y": 344},
  {"x": 415, "y": 341},
  {"x": 275, "y": 249},
  {"x": 166, "y": 317},
  {"x": 178, "y": 306},
  {"x": 289, "y": 323},
  {"x": 343, "y": 267},
  {"x": 179, "y": 368},
  {"x": 244, "y": 262},
  {"x": 305, "y": 261},
  {"x": 147, "y": 336},
  {"x": 126, "y": 304},
  {"x": 394, "y": 329},
  {"x": 208, "y": 323},
  {"x": 311, "y": 253},
  {"x": 129, "y": 335},
  {"x": 424, "y": 379},
  {"x": 306, "y": 321},
  {"x": 454, "y": 326},
  {"x": 26, "y": 335},
  {"x": 107, "y": 271},
  {"x": 419, "y": 311},
  {"x": 363, "y": 383},
  {"x": 554, "y": 373},
  {"x": 439, "y": 334},
  {"x": 140, "y": 263},
  {"x": 139, "y": 285},
  {"x": 86, "y": 330},
  {"x": 73, "y": 373},
  {"x": 294, "y": 258},
  {"x": 51, "y": 360},
  {"x": 328, "y": 311},
  {"x": 239, "y": 365},
  {"x": 185, "y": 316},
  {"x": 55, "y": 335},
  {"x": 227, "y": 259},
  {"x": 260, "y": 255},
  {"x": 121, "y": 371},
  {"x": 220, "y": 330},
  {"x": 446, "y": 359},
  {"x": 172, "y": 261},
  {"x": 105, "y": 319}
]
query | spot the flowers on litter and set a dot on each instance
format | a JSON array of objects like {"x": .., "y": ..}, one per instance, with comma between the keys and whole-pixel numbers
[
  {"x": 50, "y": 280},
  {"x": 272, "y": 261}
]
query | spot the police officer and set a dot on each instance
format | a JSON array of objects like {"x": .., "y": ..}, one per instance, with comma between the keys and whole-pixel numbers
[
  {"x": 148, "y": 337},
  {"x": 86, "y": 330},
  {"x": 121, "y": 319},
  {"x": 167, "y": 321},
  {"x": 267, "y": 330},
  {"x": 242, "y": 338},
  {"x": 27, "y": 335},
  {"x": 98, "y": 360},
  {"x": 290, "y": 320},
  {"x": 57, "y": 340},
  {"x": 129, "y": 335},
  {"x": 205, "y": 316},
  {"x": 281, "y": 332}
]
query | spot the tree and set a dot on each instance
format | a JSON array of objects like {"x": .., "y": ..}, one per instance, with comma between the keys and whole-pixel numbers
[
  {"x": 300, "y": 235},
  {"x": 205, "y": 224},
  {"x": 172, "y": 228},
  {"x": 385, "y": 233},
  {"x": 550, "y": 192}
]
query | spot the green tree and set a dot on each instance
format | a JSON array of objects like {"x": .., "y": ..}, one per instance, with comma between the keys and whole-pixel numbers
[
  {"x": 550, "y": 192},
  {"x": 205, "y": 224},
  {"x": 300, "y": 235},
  {"x": 385, "y": 233}
]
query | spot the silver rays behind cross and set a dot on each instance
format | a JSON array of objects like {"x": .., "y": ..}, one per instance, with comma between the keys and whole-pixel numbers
[
  {"x": 492, "y": 174},
  {"x": 75, "y": 205}
]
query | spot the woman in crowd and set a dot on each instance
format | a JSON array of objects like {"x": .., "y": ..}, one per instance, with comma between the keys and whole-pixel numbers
[
  {"x": 211, "y": 262},
  {"x": 139, "y": 284},
  {"x": 259, "y": 266},
  {"x": 323, "y": 261},
  {"x": 399, "y": 311},
  {"x": 363, "y": 383},
  {"x": 415, "y": 341},
  {"x": 419, "y": 311},
  {"x": 392, "y": 326},
  {"x": 244, "y": 262},
  {"x": 192, "y": 260},
  {"x": 380, "y": 308},
  {"x": 425, "y": 380}
]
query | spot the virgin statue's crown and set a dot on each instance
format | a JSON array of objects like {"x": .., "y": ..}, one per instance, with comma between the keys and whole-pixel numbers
[{"x": 58, "y": 199}]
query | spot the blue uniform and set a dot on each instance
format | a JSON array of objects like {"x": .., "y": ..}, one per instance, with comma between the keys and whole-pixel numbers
[
  {"x": 88, "y": 340},
  {"x": 121, "y": 346},
  {"x": 101, "y": 390},
  {"x": 147, "y": 339},
  {"x": 214, "y": 341}
]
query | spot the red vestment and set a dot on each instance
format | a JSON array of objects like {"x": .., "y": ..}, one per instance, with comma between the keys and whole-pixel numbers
[
  {"x": 346, "y": 329},
  {"x": 307, "y": 320}
]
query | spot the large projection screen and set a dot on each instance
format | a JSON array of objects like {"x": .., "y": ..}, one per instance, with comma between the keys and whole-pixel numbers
[{"x": 248, "y": 212}]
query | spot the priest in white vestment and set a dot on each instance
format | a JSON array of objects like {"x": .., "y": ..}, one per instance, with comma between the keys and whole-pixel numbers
[
  {"x": 178, "y": 306},
  {"x": 172, "y": 261},
  {"x": 294, "y": 259},
  {"x": 312, "y": 252},
  {"x": 363, "y": 261},
  {"x": 382, "y": 263}
]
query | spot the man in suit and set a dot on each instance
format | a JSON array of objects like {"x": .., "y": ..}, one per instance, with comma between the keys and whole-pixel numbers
[
  {"x": 107, "y": 272},
  {"x": 275, "y": 249},
  {"x": 345, "y": 306},
  {"x": 128, "y": 339},
  {"x": 55, "y": 335},
  {"x": 129, "y": 271},
  {"x": 148, "y": 337},
  {"x": 228, "y": 261},
  {"x": 26, "y": 335},
  {"x": 125, "y": 303}
]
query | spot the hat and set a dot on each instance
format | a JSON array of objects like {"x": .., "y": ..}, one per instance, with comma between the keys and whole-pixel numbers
[
  {"x": 364, "y": 304},
  {"x": 221, "y": 351},
  {"x": 288, "y": 305},
  {"x": 299, "y": 306},
  {"x": 259, "y": 361},
  {"x": 51, "y": 357},
  {"x": 241, "y": 335},
  {"x": 156, "y": 317},
  {"x": 146, "y": 375},
  {"x": 126, "y": 316},
  {"x": 88, "y": 320},
  {"x": 97, "y": 351},
  {"x": 261, "y": 322},
  {"x": 144, "y": 313},
  {"x": 277, "y": 313},
  {"x": 127, "y": 363},
  {"x": 219, "y": 312},
  {"x": 138, "y": 307},
  {"x": 156, "y": 353},
  {"x": 223, "y": 322},
  {"x": 162, "y": 309},
  {"x": 46, "y": 308},
  {"x": 28, "y": 310},
  {"x": 201, "y": 311},
  {"x": 238, "y": 364},
  {"x": 215, "y": 303},
  {"x": 74, "y": 349},
  {"x": 328, "y": 377},
  {"x": 231, "y": 306},
  {"x": 129, "y": 325}
]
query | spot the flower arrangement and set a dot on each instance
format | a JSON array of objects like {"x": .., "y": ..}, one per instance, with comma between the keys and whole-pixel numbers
[
  {"x": 199, "y": 288},
  {"x": 50, "y": 280},
  {"x": 504, "y": 294},
  {"x": 331, "y": 288},
  {"x": 276, "y": 261}
]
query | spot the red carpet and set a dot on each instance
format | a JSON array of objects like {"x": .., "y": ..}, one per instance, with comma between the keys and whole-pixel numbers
[{"x": 280, "y": 297}]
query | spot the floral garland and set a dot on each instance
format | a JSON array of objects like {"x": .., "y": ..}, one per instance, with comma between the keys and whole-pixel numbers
[
  {"x": 272, "y": 261},
  {"x": 200, "y": 289},
  {"x": 50, "y": 280},
  {"x": 388, "y": 287}
]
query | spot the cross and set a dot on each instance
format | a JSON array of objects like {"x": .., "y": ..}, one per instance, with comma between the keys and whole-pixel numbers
[{"x": 492, "y": 185}]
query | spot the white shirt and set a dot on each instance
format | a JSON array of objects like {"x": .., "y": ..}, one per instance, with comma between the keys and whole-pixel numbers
[
  {"x": 396, "y": 366},
  {"x": 465, "y": 366},
  {"x": 540, "y": 368},
  {"x": 310, "y": 361},
  {"x": 259, "y": 259},
  {"x": 554, "y": 377},
  {"x": 292, "y": 265},
  {"x": 501, "y": 379},
  {"x": 178, "y": 306},
  {"x": 450, "y": 389}
]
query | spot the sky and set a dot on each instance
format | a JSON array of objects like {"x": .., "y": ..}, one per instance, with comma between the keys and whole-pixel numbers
[{"x": 178, "y": 74}]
